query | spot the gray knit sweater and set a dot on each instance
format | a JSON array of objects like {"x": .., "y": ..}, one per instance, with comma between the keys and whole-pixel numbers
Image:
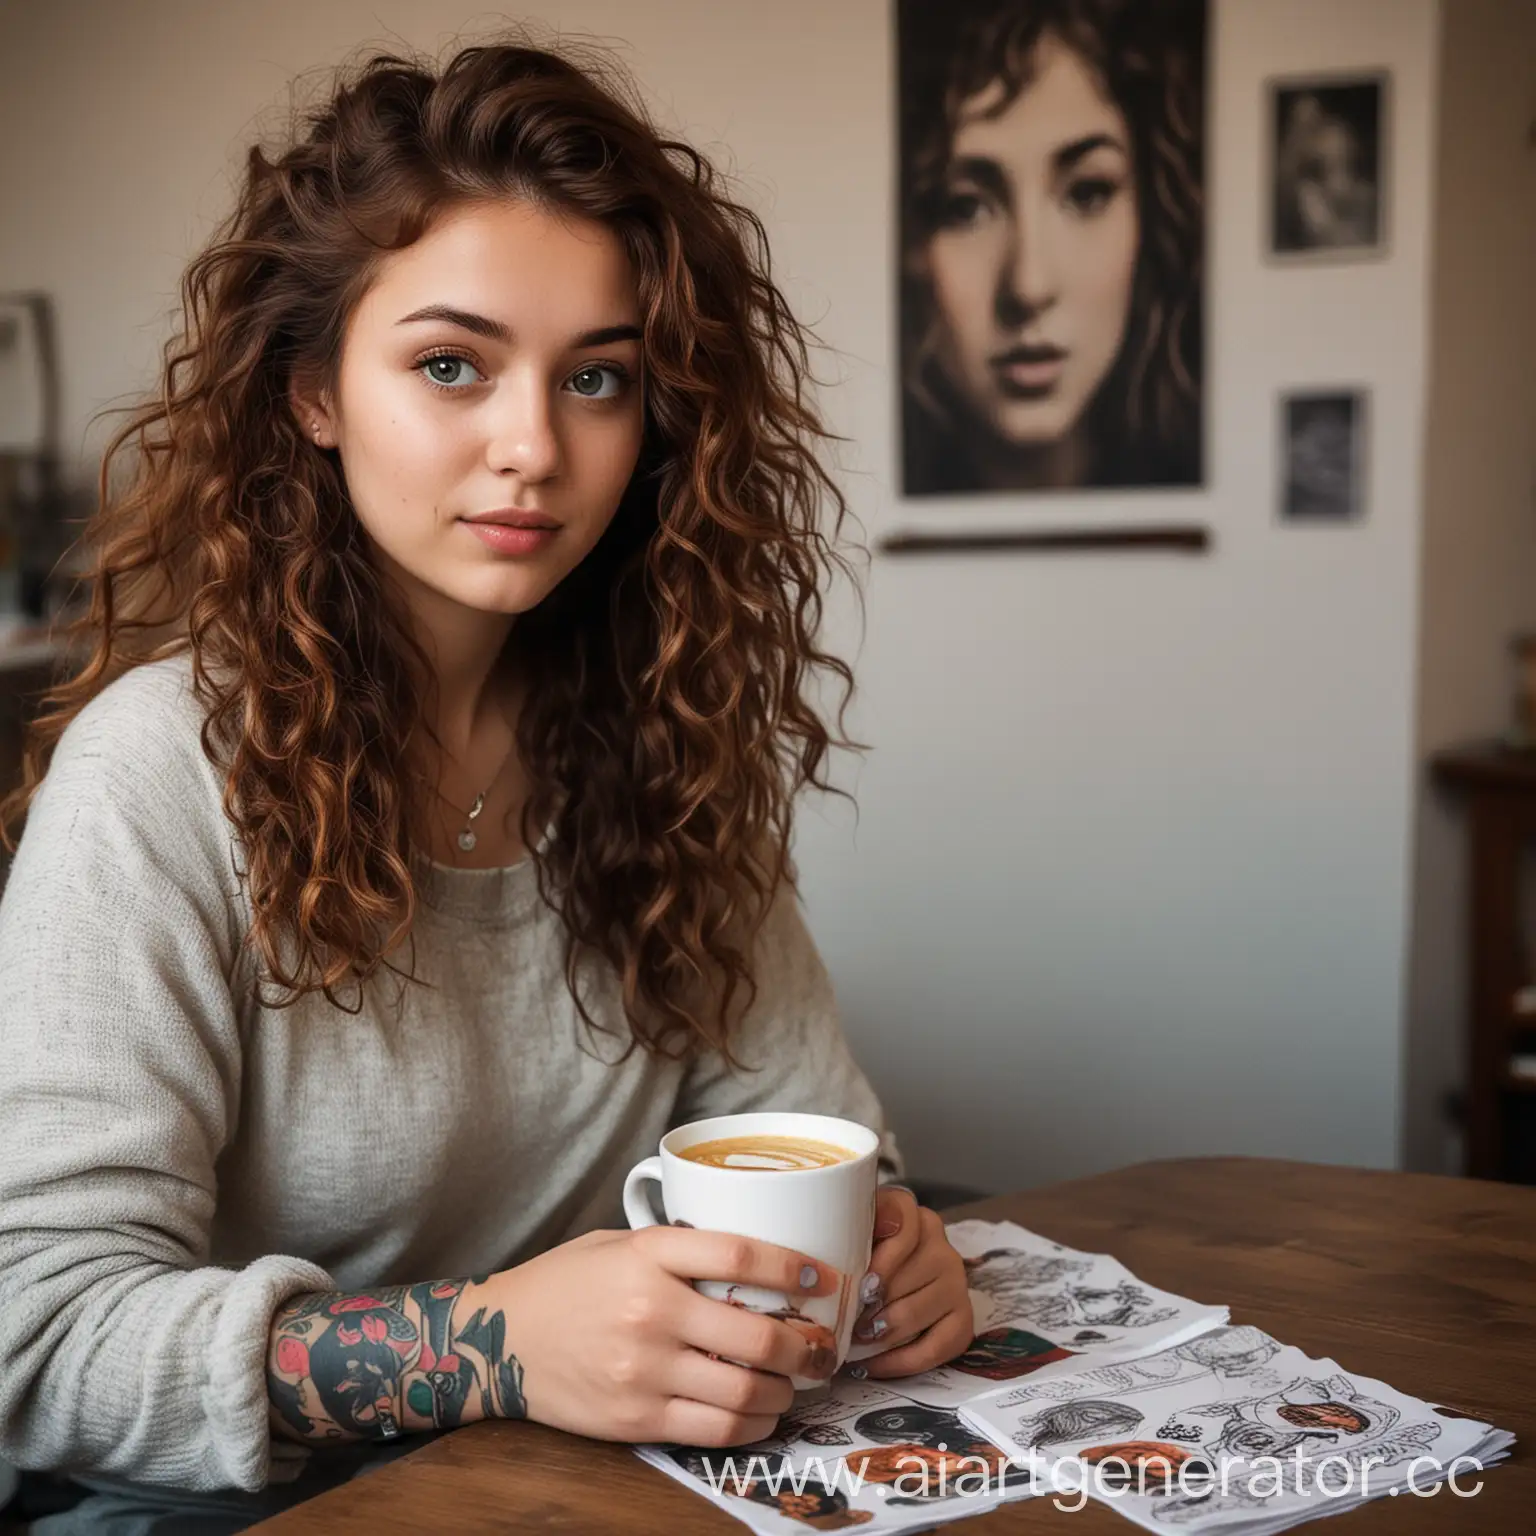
[{"x": 176, "y": 1159}]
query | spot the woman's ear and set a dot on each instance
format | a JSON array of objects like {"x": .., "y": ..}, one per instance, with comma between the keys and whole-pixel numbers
[{"x": 313, "y": 415}]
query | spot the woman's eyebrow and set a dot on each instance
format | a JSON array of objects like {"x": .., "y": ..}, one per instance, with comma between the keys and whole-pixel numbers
[
  {"x": 466, "y": 320},
  {"x": 495, "y": 330},
  {"x": 1069, "y": 154},
  {"x": 604, "y": 334},
  {"x": 984, "y": 171}
]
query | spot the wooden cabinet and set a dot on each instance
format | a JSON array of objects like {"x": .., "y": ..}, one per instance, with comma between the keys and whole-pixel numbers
[{"x": 1498, "y": 786}]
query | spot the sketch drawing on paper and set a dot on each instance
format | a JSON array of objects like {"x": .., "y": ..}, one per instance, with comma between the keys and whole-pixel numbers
[
  {"x": 936, "y": 1442},
  {"x": 1083, "y": 1418},
  {"x": 915, "y": 1423},
  {"x": 1235, "y": 1351},
  {"x": 1001, "y": 1354},
  {"x": 1186, "y": 1509},
  {"x": 1124, "y": 1305},
  {"x": 826, "y": 1434},
  {"x": 1331, "y": 1417},
  {"x": 1172, "y": 1429},
  {"x": 1136, "y": 1375},
  {"x": 1011, "y": 1276}
]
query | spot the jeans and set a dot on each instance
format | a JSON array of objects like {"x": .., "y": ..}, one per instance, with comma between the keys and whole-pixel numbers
[{"x": 115, "y": 1508}]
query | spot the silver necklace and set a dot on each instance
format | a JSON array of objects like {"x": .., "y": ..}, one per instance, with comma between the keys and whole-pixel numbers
[{"x": 466, "y": 838}]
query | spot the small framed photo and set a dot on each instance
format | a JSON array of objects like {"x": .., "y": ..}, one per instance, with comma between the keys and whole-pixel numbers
[
  {"x": 1322, "y": 455},
  {"x": 1328, "y": 167}
]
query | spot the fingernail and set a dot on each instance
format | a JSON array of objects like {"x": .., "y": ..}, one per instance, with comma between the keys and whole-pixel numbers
[
  {"x": 823, "y": 1361},
  {"x": 809, "y": 1275},
  {"x": 872, "y": 1329},
  {"x": 886, "y": 1228},
  {"x": 858, "y": 1372},
  {"x": 869, "y": 1289}
]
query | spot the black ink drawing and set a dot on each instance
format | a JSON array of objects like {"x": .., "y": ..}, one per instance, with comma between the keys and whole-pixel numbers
[
  {"x": 1124, "y": 1305},
  {"x": 1173, "y": 1430},
  {"x": 826, "y": 1434},
  {"x": 934, "y": 1442},
  {"x": 1012, "y": 1277},
  {"x": 1081, "y": 1419},
  {"x": 914, "y": 1424},
  {"x": 1237, "y": 1351},
  {"x": 1185, "y": 1509},
  {"x": 1136, "y": 1375},
  {"x": 1332, "y": 1417}
]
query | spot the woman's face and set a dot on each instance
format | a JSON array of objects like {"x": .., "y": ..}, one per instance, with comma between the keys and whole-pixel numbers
[
  {"x": 1034, "y": 259},
  {"x": 493, "y": 369}
]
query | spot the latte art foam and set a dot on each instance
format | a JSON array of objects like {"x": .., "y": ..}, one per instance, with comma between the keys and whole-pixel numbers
[{"x": 767, "y": 1154}]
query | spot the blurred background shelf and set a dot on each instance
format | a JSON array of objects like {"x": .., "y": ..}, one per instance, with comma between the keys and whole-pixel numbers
[{"x": 1497, "y": 786}]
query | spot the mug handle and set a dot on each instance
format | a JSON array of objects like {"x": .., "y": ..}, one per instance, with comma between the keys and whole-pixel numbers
[{"x": 637, "y": 1203}]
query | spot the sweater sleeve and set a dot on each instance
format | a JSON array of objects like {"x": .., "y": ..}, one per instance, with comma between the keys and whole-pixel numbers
[
  {"x": 122, "y": 1350},
  {"x": 790, "y": 1045}
]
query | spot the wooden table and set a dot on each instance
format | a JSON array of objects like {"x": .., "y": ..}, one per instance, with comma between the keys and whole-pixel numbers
[{"x": 1426, "y": 1283}]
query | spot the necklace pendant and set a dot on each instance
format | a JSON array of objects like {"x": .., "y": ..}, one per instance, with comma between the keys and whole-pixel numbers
[{"x": 467, "y": 840}]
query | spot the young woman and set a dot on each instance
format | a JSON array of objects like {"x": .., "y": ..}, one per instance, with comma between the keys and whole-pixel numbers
[
  {"x": 411, "y": 852},
  {"x": 1051, "y": 237}
]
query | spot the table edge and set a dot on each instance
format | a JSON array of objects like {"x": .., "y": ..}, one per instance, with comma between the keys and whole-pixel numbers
[{"x": 1363, "y": 1171}]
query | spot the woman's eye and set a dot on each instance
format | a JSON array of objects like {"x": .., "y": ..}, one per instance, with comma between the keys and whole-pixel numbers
[
  {"x": 960, "y": 209},
  {"x": 449, "y": 372},
  {"x": 597, "y": 382},
  {"x": 1091, "y": 194}
]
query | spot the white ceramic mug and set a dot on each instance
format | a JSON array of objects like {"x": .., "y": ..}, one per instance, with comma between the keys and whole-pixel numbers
[{"x": 826, "y": 1213}]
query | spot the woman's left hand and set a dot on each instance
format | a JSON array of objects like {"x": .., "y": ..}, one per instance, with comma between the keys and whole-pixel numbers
[{"x": 916, "y": 1301}]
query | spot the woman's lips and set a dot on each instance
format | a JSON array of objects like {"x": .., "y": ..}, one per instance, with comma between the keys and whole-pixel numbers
[
  {"x": 1028, "y": 372},
  {"x": 507, "y": 539}
]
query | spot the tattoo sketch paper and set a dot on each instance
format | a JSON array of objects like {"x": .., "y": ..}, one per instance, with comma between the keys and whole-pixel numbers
[
  {"x": 1077, "y": 1362},
  {"x": 1053, "y": 1312},
  {"x": 914, "y": 1461},
  {"x": 1295, "y": 1437},
  {"x": 863, "y": 1456}
]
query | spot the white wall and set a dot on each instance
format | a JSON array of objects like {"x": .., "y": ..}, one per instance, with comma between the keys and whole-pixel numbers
[
  {"x": 1130, "y": 870},
  {"x": 1479, "y": 549}
]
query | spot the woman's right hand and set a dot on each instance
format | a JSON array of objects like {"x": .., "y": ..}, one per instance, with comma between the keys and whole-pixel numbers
[{"x": 615, "y": 1343}]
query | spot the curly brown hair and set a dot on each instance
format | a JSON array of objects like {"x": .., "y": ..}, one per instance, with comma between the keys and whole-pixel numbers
[
  {"x": 672, "y": 724},
  {"x": 1144, "y": 421}
]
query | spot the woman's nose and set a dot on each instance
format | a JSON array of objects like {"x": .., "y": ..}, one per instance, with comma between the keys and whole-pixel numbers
[
  {"x": 1029, "y": 277},
  {"x": 524, "y": 437}
]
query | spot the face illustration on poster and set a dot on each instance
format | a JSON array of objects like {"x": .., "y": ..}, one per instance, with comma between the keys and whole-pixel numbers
[{"x": 1052, "y": 233}]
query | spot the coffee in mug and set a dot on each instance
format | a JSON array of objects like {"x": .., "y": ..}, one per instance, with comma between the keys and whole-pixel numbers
[
  {"x": 767, "y": 1154},
  {"x": 822, "y": 1205}
]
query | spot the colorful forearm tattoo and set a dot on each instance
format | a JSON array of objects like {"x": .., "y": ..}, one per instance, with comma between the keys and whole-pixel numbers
[{"x": 402, "y": 1357}]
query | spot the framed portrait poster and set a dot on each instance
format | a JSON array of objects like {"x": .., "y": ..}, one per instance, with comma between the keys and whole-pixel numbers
[
  {"x": 1051, "y": 244},
  {"x": 1323, "y": 455},
  {"x": 1327, "y": 168}
]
